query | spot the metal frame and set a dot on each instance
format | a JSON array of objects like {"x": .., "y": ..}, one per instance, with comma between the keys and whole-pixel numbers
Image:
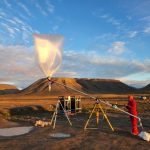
[
  {"x": 98, "y": 105},
  {"x": 55, "y": 114}
]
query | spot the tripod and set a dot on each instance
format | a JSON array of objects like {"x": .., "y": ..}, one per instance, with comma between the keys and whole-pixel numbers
[
  {"x": 98, "y": 105},
  {"x": 55, "y": 114}
]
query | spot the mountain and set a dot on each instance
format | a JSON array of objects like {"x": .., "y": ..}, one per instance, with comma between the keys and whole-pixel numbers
[
  {"x": 8, "y": 89},
  {"x": 105, "y": 86},
  {"x": 91, "y": 86},
  {"x": 145, "y": 89},
  {"x": 42, "y": 87}
]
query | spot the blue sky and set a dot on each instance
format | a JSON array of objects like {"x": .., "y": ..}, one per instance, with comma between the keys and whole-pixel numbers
[{"x": 103, "y": 39}]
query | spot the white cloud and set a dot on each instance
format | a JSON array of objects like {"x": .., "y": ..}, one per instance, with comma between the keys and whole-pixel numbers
[
  {"x": 110, "y": 19},
  {"x": 2, "y": 13},
  {"x": 55, "y": 28},
  {"x": 108, "y": 36},
  {"x": 25, "y": 9},
  {"x": 14, "y": 27},
  {"x": 132, "y": 34},
  {"x": 147, "y": 30},
  {"x": 19, "y": 66},
  {"x": 146, "y": 18},
  {"x": 11, "y": 31},
  {"x": 117, "y": 48},
  {"x": 40, "y": 9},
  {"x": 11, "y": 21},
  {"x": 50, "y": 7},
  {"x": 18, "y": 21},
  {"x": 7, "y": 3},
  {"x": 87, "y": 64},
  {"x": 136, "y": 83},
  {"x": 105, "y": 16},
  {"x": 129, "y": 17},
  {"x": 134, "y": 79}
]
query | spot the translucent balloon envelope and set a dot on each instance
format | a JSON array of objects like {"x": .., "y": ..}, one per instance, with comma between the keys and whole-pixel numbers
[{"x": 49, "y": 52}]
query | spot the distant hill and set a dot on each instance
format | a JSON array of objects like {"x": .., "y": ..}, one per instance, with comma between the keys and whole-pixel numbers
[
  {"x": 145, "y": 89},
  {"x": 8, "y": 89},
  {"x": 41, "y": 87},
  {"x": 92, "y": 86},
  {"x": 105, "y": 86}
]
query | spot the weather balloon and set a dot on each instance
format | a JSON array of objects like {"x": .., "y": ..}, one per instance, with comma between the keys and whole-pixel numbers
[{"x": 49, "y": 52}]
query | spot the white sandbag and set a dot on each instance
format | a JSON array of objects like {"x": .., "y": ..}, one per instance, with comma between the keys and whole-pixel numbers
[
  {"x": 42, "y": 123},
  {"x": 145, "y": 136}
]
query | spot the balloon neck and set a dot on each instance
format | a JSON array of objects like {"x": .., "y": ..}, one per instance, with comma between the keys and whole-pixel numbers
[{"x": 49, "y": 78}]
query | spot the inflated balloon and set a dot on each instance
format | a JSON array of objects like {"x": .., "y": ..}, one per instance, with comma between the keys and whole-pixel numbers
[{"x": 49, "y": 52}]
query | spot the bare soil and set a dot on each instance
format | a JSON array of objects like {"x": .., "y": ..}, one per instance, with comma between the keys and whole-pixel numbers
[{"x": 94, "y": 139}]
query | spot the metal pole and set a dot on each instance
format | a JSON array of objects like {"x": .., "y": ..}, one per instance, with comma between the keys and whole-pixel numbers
[
  {"x": 65, "y": 113},
  {"x": 55, "y": 117},
  {"x": 106, "y": 117},
  {"x": 89, "y": 117}
]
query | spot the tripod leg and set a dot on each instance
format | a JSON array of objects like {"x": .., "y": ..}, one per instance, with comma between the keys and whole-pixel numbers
[
  {"x": 52, "y": 117},
  {"x": 97, "y": 117},
  {"x": 65, "y": 114},
  {"x": 55, "y": 116},
  {"x": 54, "y": 122},
  {"x": 106, "y": 117},
  {"x": 89, "y": 117}
]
